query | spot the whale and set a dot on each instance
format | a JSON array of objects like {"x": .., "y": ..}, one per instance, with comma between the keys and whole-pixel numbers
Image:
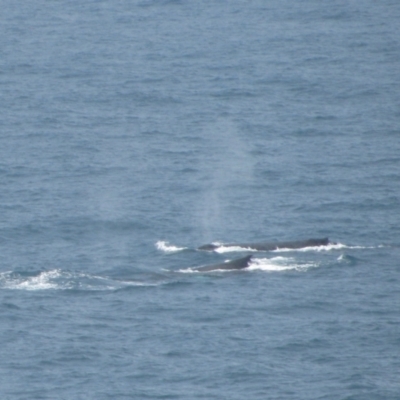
[
  {"x": 236, "y": 264},
  {"x": 270, "y": 246}
]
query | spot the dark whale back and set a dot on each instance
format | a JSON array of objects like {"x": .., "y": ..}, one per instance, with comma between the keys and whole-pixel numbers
[{"x": 238, "y": 263}]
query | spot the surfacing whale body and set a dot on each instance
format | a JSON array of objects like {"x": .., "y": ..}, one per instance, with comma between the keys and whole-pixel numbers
[
  {"x": 270, "y": 246},
  {"x": 238, "y": 263}
]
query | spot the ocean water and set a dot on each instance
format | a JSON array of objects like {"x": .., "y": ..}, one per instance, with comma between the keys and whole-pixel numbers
[{"x": 132, "y": 132}]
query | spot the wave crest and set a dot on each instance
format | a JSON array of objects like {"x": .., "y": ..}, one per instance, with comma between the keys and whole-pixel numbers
[
  {"x": 57, "y": 279},
  {"x": 168, "y": 248},
  {"x": 279, "y": 264}
]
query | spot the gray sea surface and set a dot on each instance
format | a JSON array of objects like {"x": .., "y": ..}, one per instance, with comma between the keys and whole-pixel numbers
[{"x": 133, "y": 132}]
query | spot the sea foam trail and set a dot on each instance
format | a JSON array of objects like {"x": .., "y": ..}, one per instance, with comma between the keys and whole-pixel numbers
[
  {"x": 276, "y": 264},
  {"x": 168, "y": 248},
  {"x": 43, "y": 281},
  {"x": 331, "y": 246},
  {"x": 279, "y": 264},
  {"x": 61, "y": 280},
  {"x": 221, "y": 248}
]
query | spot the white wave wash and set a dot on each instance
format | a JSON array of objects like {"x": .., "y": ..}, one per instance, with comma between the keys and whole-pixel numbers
[
  {"x": 167, "y": 248},
  {"x": 62, "y": 280},
  {"x": 231, "y": 249},
  {"x": 276, "y": 264},
  {"x": 331, "y": 246},
  {"x": 40, "y": 282},
  {"x": 328, "y": 247}
]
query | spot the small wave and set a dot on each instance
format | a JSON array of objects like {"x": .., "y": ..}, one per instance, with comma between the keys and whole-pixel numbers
[
  {"x": 188, "y": 271},
  {"x": 193, "y": 270},
  {"x": 231, "y": 249},
  {"x": 275, "y": 264},
  {"x": 168, "y": 248},
  {"x": 328, "y": 247},
  {"x": 61, "y": 280},
  {"x": 43, "y": 281},
  {"x": 331, "y": 246},
  {"x": 347, "y": 259},
  {"x": 279, "y": 264}
]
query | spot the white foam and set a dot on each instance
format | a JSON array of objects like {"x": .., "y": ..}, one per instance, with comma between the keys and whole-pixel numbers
[
  {"x": 188, "y": 271},
  {"x": 331, "y": 246},
  {"x": 64, "y": 280},
  {"x": 278, "y": 264},
  {"x": 40, "y": 282},
  {"x": 275, "y": 264},
  {"x": 196, "y": 271},
  {"x": 167, "y": 248},
  {"x": 328, "y": 247},
  {"x": 230, "y": 249}
]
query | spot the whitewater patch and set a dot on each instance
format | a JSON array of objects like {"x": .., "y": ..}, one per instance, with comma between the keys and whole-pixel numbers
[
  {"x": 43, "y": 281},
  {"x": 275, "y": 264},
  {"x": 168, "y": 248},
  {"x": 222, "y": 248},
  {"x": 329, "y": 247},
  {"x": 61, "y": 280},
  {"x": 231, "y": 249},
  {"x": 279, "y": 264}
]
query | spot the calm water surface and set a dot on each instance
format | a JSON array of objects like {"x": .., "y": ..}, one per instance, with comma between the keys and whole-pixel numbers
[{"x": 132, "y": 132}]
